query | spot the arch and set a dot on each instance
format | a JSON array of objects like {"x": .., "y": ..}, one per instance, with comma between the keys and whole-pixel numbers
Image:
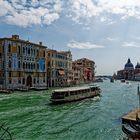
[{"x": 29, "y": 81}]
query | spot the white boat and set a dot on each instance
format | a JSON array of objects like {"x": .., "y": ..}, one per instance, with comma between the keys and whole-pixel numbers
[{"x": 74, "y": 93}]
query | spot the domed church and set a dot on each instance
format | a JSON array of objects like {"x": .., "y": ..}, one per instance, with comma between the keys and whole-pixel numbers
[
  {"x": 129, "y": 72},
  {"x": 137, "y": 66},
  {"x": 128, "y": 65}
]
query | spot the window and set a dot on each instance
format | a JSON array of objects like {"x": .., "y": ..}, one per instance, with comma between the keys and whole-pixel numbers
[
  {"x": 34, "y": 81},
  {"x": 43, "y": 80},
  {"x": 9, "y": 74},
  {"x": 10, "y": 82},
  {"x": 23, "y": 50},
  {"x": 9, "y": 64},
  {"x": 23, "y": 65},
  {"x": 37, "y": 52},
  {"x": 19, "y": 50},
  {"x": 29, "y": 51},
  {"x": 43, "y": 53},
  {"x": 9, "y": 48},
  {"x": 23, "y": 81},
  {"x": 26, "y": 65},
  {"x": 37, "y": 66},
  {"x": 26, "y": 50},
  {"x": 19, "y": 81},
  {"x": 34, "y": 51},
  {"x": 31, "y": 66},
  {"x": 18, "y": 64}
]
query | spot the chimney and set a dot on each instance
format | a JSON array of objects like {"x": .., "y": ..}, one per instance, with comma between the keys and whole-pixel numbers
[
  {"x": 40, "y": 43},
  {"x": 15, "y": 37}
]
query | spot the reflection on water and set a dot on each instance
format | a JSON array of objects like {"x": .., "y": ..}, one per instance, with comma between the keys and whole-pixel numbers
[{"x": 31, "y": 116}]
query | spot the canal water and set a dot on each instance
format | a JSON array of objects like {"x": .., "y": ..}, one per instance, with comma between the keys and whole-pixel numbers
[{"x": 30, "y": 116}]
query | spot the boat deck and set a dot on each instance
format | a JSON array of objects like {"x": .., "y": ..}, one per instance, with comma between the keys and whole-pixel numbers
[{"x": 131, "y": 116}]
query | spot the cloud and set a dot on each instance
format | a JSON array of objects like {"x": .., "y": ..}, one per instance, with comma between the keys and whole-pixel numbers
[
  {"x": 131, "y": 45},
  {"x": 26, "y": 13},
  {"x": 112, "y": 39},
  {"x": 103, "y": 9},
  {"x": 83, "y": 45},
  {"x": 37, "y": 12}
]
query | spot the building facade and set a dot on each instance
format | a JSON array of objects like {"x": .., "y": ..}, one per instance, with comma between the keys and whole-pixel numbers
[
  {"x": 83, "y": 71},
  {"x": 129, "y": 72},
  {"x": 59, "y": 67},
  {"x": 22, "y": 63}
]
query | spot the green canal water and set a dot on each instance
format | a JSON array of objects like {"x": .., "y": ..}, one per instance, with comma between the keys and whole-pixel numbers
[{"x": 30, "y": 116}]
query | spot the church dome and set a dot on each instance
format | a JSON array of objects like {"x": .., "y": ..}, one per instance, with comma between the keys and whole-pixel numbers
[
  {"x": 137, "y": 66},
  {"x": 129, "y": 65}
]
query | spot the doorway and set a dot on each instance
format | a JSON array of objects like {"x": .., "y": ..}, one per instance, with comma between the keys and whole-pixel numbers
[{"x": 29, "y": 81}]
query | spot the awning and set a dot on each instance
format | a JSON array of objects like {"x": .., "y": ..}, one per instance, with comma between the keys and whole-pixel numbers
[{"x": 61, "y": 72}]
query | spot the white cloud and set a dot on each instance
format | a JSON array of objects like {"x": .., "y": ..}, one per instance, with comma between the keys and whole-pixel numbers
[
  {"x": 83, "y": 45},
  {"x": 26, "y": 13},
  {"x": 112, "y": 39},
  {"x": 131, "y": 45},
  {"x": 104, "y": 9}
]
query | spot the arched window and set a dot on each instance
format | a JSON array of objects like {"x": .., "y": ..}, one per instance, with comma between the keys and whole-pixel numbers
[
  {"x": 34, "y": 65},
  {"x": 37, "y": 52},
  {"x": 23, "y": 50},
  {"x": 26, "y": 50},
  {"x": 29, "y": 65},
  {"x": 26, "y": 65},
  {"x": 23, "y": 65},
  {"x": 43, "y": 53},
  {"x": 37, "y": 66},
  {"x": 9, "y": 64},
  {"x": 29, "y": 51},
  {"x": 19, "y": 64},
  {"x": 19, "y": 49}
]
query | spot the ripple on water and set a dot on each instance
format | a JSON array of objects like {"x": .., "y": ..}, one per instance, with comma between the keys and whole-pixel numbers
[{"x": 30, "y": 116}]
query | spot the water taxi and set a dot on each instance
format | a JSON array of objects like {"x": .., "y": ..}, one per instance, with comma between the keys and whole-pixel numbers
[
  {"x": 74, "y": 93},
  {"x": 123, "y": 80}
]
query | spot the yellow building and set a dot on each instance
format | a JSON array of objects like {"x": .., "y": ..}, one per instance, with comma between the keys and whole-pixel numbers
[{"x": 59, "y": 67}]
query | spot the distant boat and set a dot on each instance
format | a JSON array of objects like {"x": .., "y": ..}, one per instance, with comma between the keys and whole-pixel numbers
[
  {"x": 99, "y": 80},
  {"x": 112, "y": 80},
  {"x": 74, "y": 94},
  {"x": 123, "y": 80}
]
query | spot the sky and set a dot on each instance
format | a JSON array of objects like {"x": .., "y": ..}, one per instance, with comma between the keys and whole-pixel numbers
[{"x": 106, "y": 31}]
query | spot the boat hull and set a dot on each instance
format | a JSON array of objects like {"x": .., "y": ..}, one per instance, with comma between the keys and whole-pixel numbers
[{"x": 76, "y": 98}]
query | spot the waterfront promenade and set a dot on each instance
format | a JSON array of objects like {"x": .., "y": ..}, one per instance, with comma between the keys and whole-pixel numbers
[{"x": 30, "y": 116}]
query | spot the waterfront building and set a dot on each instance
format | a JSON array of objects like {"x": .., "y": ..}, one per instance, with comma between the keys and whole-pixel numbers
[
  {"x": 83, "y": 71},
  {"x": 22, "y": 63},
  {"x": 129, "y": 72},
  {"x": 59, "y": 67},
  {"x": 76, "y": 77}
]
